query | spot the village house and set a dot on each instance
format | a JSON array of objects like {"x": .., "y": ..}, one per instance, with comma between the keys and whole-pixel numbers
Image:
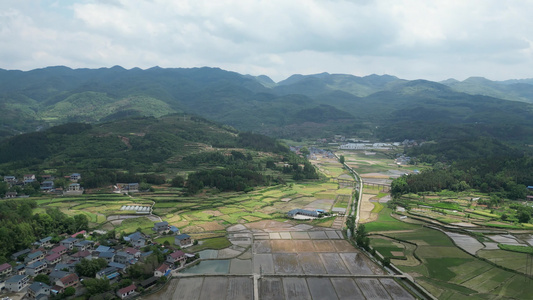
[
  {"x": 16, "y": 255},
  {"x": 303, "y": 213},
  {"x": 174, "y": 229},
  {"x": 127, "y": 291},
  {"x": 44, "y": 242},
  {"x": 57, "y": 274},
  {"x": 177, "y": 256},
  {"x": 123, "y": 257},
  {"x": 161, "y": 227},
  {"x": 183, "y": 240},
  {"x": 35, "y": 268},
  {"x": 47, "y": 185},
  {"x": 162, "y": 270},
  {"x": 33, "y": 257},
  {"x": 135, "y": 252},
  {"x": 28, "y": 178},
  {"x": 17, "y": 282},
  {"x": 5, "y": 269},
  {"x": 81, "y": 255},
  {"x": 20, "y": 269},
  {"x": 109, "y": 273},
  {"x": 136, "y": 239},
  {"x": 127, "y": 187},
  {"x": 120, "y": 267},
  {"x": 59, "y": 250},
  {"x": 37, "y": 289},
  {"x": 83, "y": 245},
  {"x": 108, "y": 256},
  {"x": 11, "y": 180},
  {"x": 69, "y": 267},
  {"x": 101, "y": 249},
  {"x": 75, "y": 177},
  {"x": 10, "y": 195},
  {"x": 67, "y": 280},
  {"x": 69, "y": 243},
  {"x": 149, "y": 282},
  {"x": 47, "y": 177},
  {"x": 53, "y": 258}
]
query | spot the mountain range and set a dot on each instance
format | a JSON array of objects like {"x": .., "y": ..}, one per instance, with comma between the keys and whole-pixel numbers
[{"x": 380, "y": 106}]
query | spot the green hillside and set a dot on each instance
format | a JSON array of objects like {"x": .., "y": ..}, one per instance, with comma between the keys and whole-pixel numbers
[{"x": 319, "y": 105}]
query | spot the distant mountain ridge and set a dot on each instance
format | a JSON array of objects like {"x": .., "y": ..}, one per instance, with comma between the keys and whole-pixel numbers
[{"x": 301, "y": 105}]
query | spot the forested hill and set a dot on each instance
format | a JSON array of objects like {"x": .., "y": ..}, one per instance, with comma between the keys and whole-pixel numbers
[
  {"x": 318, "y": 105},
  {"x": 137, "y": 143}
]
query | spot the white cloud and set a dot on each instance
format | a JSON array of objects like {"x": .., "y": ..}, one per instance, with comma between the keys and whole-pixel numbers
[{"x": 410, "y": 39}]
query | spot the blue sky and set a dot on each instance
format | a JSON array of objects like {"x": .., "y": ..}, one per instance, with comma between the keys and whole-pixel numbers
[{"x": 411, "y": 39}]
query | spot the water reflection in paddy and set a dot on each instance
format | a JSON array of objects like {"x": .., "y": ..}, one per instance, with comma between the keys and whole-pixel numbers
[{"x": 209, "y": 267}]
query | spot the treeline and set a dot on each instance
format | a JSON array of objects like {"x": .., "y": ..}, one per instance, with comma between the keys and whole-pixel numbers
[
  {"x": 230, "y": 179},
  {"x": 464, "y": 149},
  {"x": 260, "y": 142},
  {"x": 99, "y": 178},
  {"x": 216, "y": 158},
  {"x": 501, "y": 176},
  {"x": 19, "y": 228}
]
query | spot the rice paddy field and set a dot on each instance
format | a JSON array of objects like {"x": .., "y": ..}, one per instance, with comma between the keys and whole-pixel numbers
[{"x": 443, "y": 268}]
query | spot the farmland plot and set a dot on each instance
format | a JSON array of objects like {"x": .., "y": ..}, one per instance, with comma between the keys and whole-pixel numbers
[
  {"x": 318, "y": 235},
  {"x": 324, "y": 246},
  {"x": 188, "y": 288},
  {"x": 342, "y": 246},
  {"x": 271, "y": 289},
  {"x": 240, "y": 266},
  {"x": 311, "y": 263},
  {"x": 212, "y": 287},
  {"x": 263, "y": 263},
  {"x": 355, "y": 263},
  {"x": 262, "y": 246},
  {"x": 296, "y": 289},
  {"x": 282, "y": 246},
  {"x": 286, "y": 263},
  {"x": 395, "y": 290},
  {"x": 372, "y": 289},
  {"x": 333, "y": 263},
  {"x": 240, "y": 288},
  {"x": 321, "y": 288},
  {"x": 346, "y": 288}
]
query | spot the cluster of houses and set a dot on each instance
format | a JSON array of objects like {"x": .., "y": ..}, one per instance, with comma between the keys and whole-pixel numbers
[
  {"x": 59, "y": 261},
  {"x": 46, "y": 184}
]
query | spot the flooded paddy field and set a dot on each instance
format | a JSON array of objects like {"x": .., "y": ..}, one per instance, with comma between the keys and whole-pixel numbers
[{"x": 302, "y": 264}]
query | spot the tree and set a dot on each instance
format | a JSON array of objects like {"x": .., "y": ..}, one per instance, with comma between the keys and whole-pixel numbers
[
  {"x": 69, "y": 291},
  {"x": 524, "y": 217},
  {"x": 177, "y": 181},
  {"x": 89, "y": 268},
  {"x": 42, "y": 278},
  {"x": 97, "y": 286},
  {"x": 342, "y": 159}
]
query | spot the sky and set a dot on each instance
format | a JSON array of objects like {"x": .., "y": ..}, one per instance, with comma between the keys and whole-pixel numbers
[{"x": 411, "y": 39}]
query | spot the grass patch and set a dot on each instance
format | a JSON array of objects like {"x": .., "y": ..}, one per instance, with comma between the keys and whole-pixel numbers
[
  {"x": 377, "y": 207},
  {"x": 516, "y": 248},
  {"x": 439, "y": 267},
  {"x": 387, "y": 223},
  {"x": 131, "y": 225}
]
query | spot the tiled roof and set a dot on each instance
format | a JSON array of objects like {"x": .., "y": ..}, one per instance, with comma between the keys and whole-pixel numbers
[
  {"x": 182, "y": 236},
  {"x": 177, "y": 254},
  {"x": 163, "y": 268},
  {"x": 4, "y": 267},
  {"x": 127, "y": 289},
  {"x": 69, "y": 278}
]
